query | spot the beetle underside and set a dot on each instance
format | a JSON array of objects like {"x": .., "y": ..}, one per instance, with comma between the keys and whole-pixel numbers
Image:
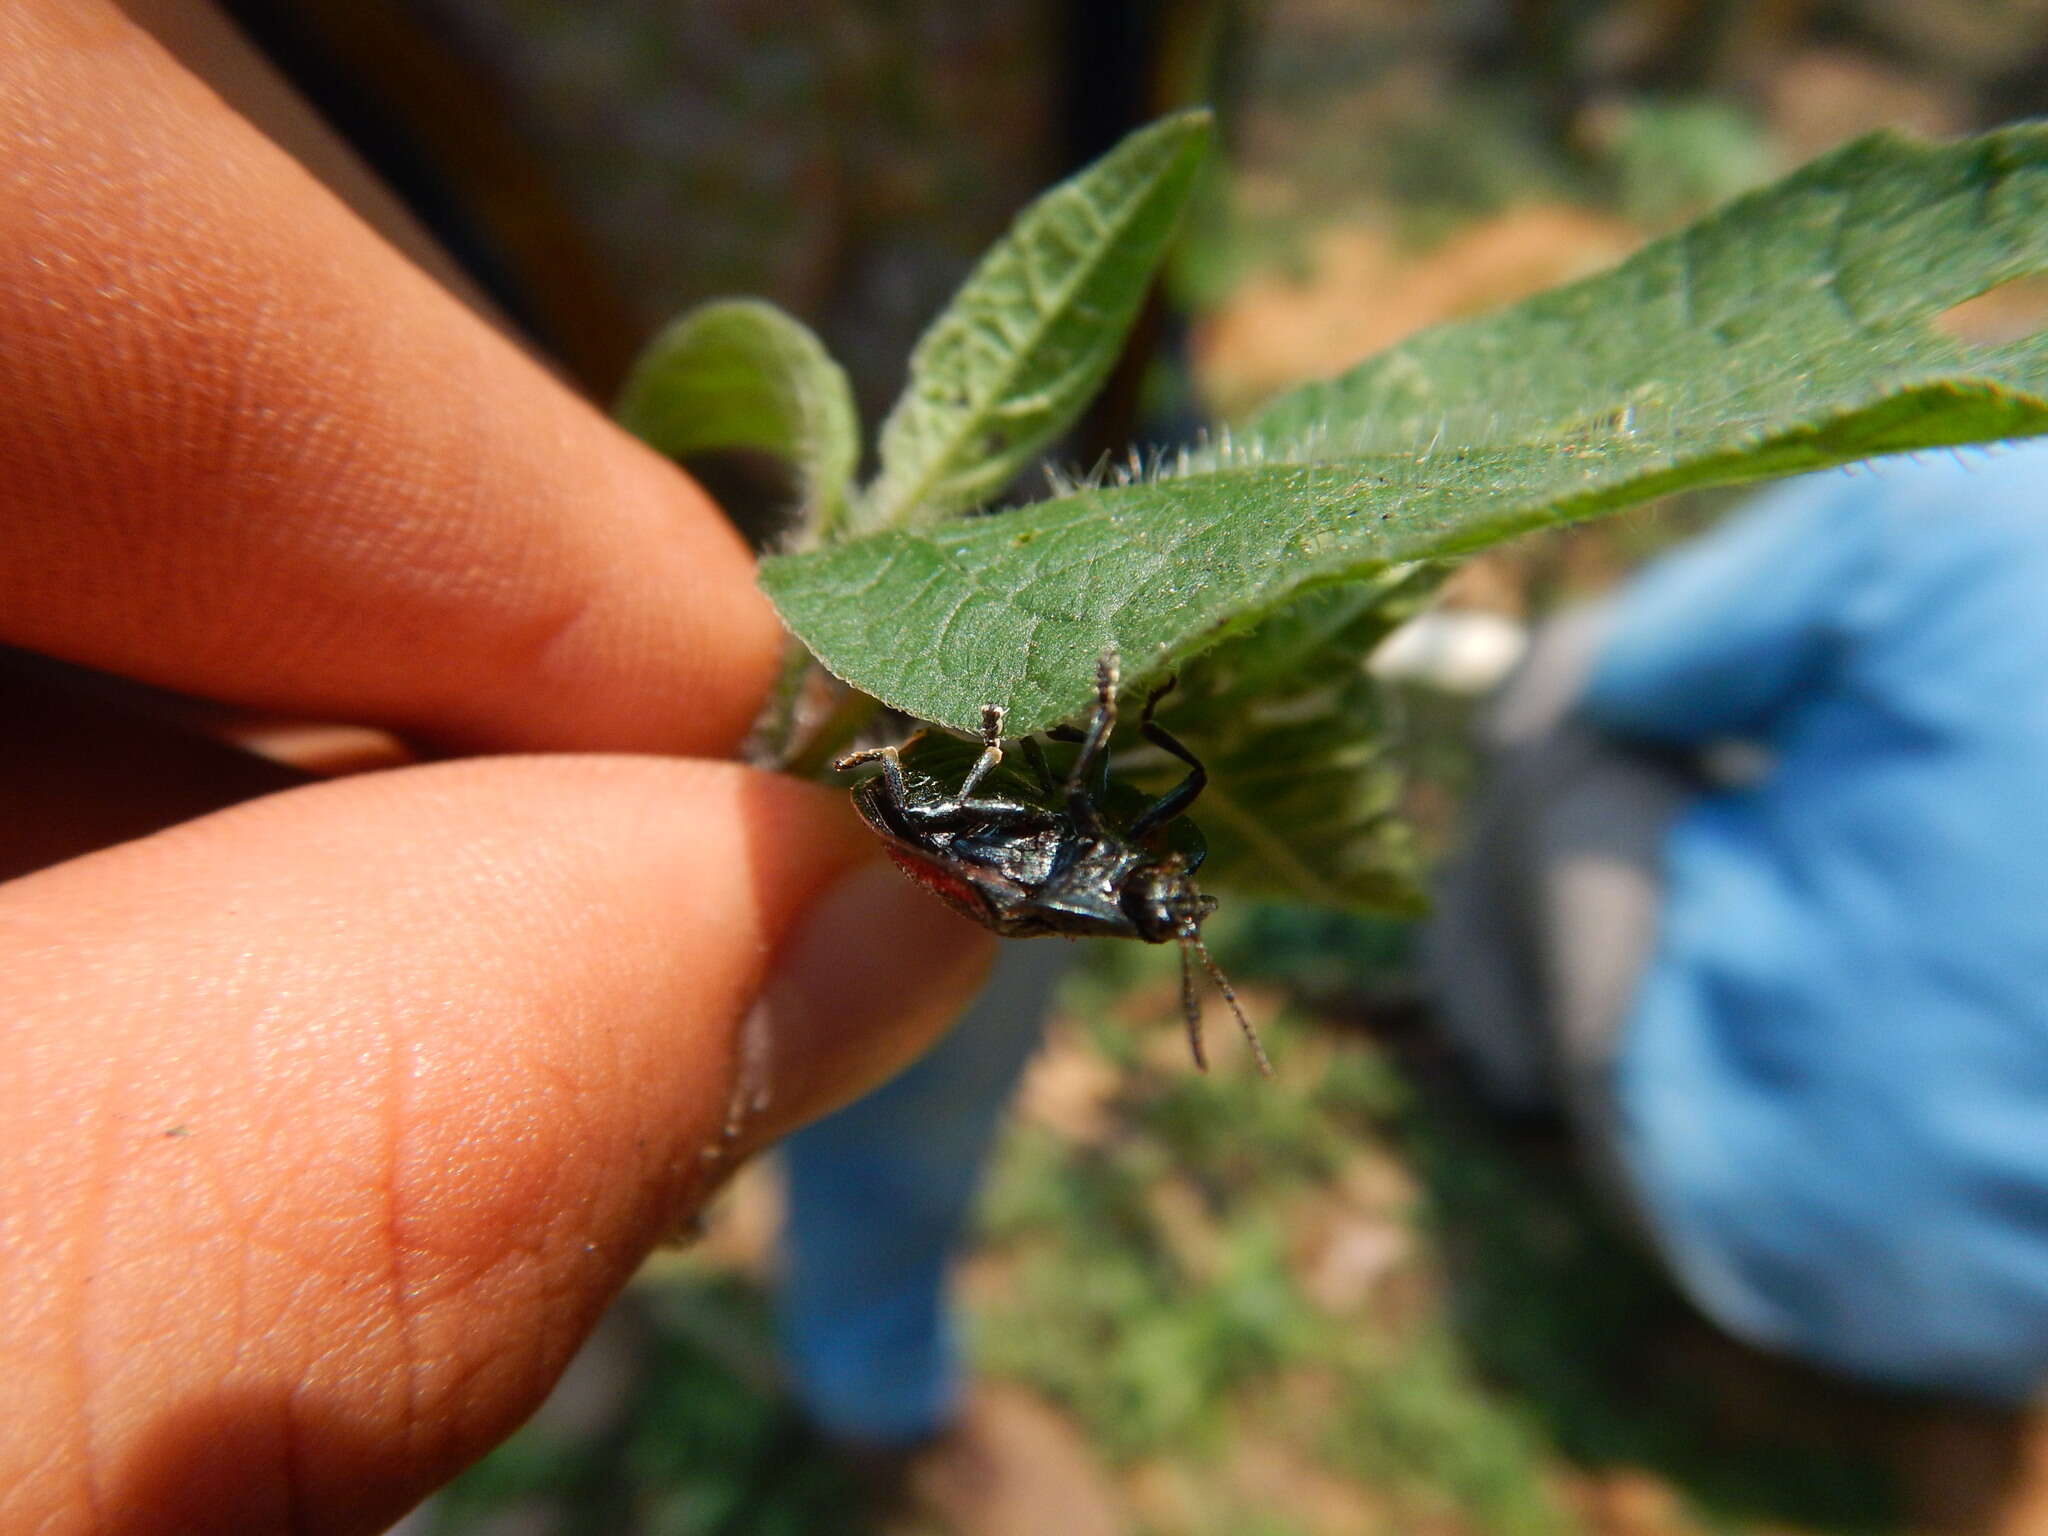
[{"x": 1049, "y": 858}]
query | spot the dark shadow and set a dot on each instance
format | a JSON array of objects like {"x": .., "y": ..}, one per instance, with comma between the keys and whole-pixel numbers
[
  {"x": 94, "y": 760},
  {"x": 216, "y": 1466}
]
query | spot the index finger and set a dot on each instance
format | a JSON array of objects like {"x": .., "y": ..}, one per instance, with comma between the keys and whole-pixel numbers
[{"x": 253, "y": 453}]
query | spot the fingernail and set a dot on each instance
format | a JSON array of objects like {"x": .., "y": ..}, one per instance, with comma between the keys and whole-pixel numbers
[{"x": 873, "y": 974}]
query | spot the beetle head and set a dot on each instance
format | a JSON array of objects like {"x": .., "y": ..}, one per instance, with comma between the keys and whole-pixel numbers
[{"x": 1162, "y": 903}]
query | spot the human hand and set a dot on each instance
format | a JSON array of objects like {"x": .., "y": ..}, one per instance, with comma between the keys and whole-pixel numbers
[{"x": 337, "y": 1116}]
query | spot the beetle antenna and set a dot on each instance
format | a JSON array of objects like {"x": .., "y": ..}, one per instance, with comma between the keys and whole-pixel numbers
[
  {"x": 1191, "y": 936},
  {"x": 1190, "y": 1009}
]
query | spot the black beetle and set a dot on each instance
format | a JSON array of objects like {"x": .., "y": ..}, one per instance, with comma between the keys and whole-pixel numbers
[{"x": 1051, "y": 859}]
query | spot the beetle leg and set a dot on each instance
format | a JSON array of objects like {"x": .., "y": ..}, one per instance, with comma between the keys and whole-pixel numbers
[
  {"x": 1182, "y": 795},
  {"x": 1034, "y": 754},
  {"x": 1003, "y": 812},
  {"x": 991, "y": 748},
  {"x": 1094, "y": 745},
  {"x": 876, "y": 754},
  {"x": 1068, "y": 733},
  {"x": 959, "y": 815},
  {"x": 1100, "y": 724},
  {"x": 892, "y": 766}
]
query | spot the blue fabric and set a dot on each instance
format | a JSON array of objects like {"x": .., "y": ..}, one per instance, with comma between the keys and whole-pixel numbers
[
  {"x": 1834, "y": 1081},
  {"x": 879, "y": 1197}
]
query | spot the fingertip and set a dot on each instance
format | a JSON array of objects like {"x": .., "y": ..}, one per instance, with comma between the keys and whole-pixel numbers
[
  {"x": 255, "y": 455},
  {"x": 873, "y": 974},
  {"x": 415, "y": 1066}
]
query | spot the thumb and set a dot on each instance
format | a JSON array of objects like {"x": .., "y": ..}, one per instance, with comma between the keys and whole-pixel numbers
[{"x": 339, "y": 1116}]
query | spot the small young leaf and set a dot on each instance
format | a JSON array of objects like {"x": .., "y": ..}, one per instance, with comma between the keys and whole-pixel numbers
[
  {"x": 740, "y": 373},
  {"x": 1787, "y": 332},
  {"x": 1035, "y": 329}
]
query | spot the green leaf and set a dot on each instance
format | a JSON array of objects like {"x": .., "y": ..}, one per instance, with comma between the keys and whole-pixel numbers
[
  {"x": 740, "y": 373},
  {"x": 1035, "y": 329},
  {"x": 1801, "y": 294},
  {"x": 1787, "y": 332},
  {"x": 1308, "y": 767}
]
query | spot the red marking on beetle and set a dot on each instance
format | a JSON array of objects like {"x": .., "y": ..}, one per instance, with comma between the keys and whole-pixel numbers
[{"x": 955, "y": 892}]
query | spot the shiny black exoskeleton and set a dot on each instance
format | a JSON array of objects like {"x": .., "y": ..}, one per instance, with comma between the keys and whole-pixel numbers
[{"x": 1051, "y": 858}]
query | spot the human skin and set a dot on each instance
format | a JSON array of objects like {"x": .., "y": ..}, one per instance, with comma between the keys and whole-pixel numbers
[{"x": 339, "y": 1109}]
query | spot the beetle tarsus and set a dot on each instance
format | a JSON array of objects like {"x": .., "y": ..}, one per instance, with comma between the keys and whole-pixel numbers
[
  {"x": 889, "y": 757},
  {"x": 992, "y": 716},
  {"x": 1094, "y": 750},
  {"x": 1100, "y": 724}
]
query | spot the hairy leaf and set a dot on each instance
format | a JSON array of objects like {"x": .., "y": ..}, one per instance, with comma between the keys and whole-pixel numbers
[
  {"x": 1787, "y": 332},
  {"x": 1035, "y": 329},
  {"x": 1307, "y": 763},
  {"x": 1308, "y": 767},
  {"x": 740, "y": 373}
]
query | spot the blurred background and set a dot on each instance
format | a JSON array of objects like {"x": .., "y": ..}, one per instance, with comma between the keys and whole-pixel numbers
[{"x": 1348, "y": 1300}]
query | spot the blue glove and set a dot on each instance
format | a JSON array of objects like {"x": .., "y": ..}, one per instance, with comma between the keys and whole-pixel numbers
[{"x": 1834, "y": 1080}]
